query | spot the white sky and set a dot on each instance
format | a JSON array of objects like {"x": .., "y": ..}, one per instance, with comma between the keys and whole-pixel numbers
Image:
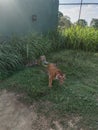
[{"x": 88, "y": 11}]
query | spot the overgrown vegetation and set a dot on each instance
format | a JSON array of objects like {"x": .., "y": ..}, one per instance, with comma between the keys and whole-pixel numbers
[
  {"x": 79, "y": 93},
  {"x": 10, "y": 59},
  {"x": 77, "y": 96},
  {"x": 81, "y": 38},
  {"x": 18, "y": 51}
]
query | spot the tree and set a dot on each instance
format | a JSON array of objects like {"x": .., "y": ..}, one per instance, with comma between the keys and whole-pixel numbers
[
  {"x": 94, "y": 23},
  {"x": 60, "y": 14},
  {"x": 81, "y": 22},
  {"x": 64, "y": 21}
]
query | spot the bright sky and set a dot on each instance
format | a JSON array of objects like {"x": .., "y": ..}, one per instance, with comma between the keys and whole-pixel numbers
[{"x": 88, "y": 11}]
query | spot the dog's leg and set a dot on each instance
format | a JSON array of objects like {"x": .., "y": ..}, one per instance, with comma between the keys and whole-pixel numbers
[{"x": 50, "y": 81}]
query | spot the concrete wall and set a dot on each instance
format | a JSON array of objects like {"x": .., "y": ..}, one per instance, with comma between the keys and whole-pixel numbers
[{"x": 23, "y": 16}]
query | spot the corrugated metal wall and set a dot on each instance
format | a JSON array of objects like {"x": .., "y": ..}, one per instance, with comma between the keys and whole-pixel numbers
[{"x": 23, "y": 16}]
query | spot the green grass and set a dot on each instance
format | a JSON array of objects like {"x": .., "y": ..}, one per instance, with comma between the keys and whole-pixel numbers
[
  {"x": 10, "y": 60},
  {"x": 78, "y": 95},
  {"x": 81, "y": 38},
  {"x": 20, "y": 50}
]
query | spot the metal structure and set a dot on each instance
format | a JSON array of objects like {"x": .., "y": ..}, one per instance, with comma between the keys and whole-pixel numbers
[
  {"x": 24, "y": 16},
  {"x": 81, "y": 3},
  {"x": 78, "y": 3}
]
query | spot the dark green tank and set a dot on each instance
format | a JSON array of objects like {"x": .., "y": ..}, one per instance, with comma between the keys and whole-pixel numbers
[{"x": 24, "y": 16}]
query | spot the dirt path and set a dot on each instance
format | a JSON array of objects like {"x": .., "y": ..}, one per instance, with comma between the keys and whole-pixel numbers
[{"x": 14, "y": 115}]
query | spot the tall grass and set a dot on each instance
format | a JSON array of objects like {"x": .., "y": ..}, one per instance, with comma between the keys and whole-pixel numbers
[
  {"x": 10, "y": 59},
  {"x": 18, "y": 51},
  {"x": 31, "y": 47},
  {"x": 81, "y": 38}
]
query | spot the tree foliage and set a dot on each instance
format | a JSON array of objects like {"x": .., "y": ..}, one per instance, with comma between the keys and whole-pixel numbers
[
  {"x": 94, "y": 23},
  {"x": 81, "y": 22},
  {"x": 60, "y": 14},
  {"x": 64, "y": 21}
]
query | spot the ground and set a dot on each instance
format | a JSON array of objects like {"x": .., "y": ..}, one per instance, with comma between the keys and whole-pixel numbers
[
  {"x": 14, "y": 115},
  {"x": 27, "y": 103}
]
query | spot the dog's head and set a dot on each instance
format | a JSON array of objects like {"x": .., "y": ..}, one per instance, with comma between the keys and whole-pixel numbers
[{"x": 61, "y": 77}]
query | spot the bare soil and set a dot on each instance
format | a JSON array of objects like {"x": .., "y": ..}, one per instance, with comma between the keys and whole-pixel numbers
[{"x": 14, "y": 115}]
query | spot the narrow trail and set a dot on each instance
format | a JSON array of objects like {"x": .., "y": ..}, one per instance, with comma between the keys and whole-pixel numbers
[{"x": 14, "y": 115}]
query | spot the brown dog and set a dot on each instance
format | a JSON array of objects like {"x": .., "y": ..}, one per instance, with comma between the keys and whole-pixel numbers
[{"x": 55, "y": 73}]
